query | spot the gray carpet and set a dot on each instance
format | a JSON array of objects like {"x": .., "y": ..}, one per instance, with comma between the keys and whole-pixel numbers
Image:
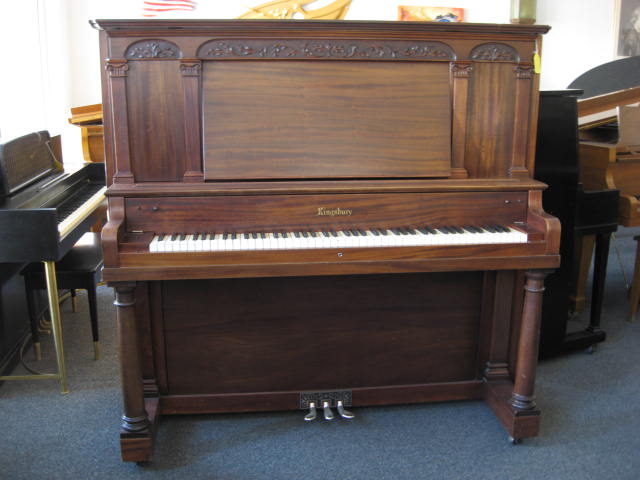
[{"x": 590, "y": 422}]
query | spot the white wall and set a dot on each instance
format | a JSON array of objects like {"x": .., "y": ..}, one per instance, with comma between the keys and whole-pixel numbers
[
  {"x": 581, "y": 37},
  {"x": 58, "y": 31}
]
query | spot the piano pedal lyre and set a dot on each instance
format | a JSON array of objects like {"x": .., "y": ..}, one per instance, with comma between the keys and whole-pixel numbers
[{"x": 328, "y": 400}]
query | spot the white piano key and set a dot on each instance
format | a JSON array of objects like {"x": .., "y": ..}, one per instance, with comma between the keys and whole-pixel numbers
[
  {"x": 352, "y": 238},
  {"x": 86, "y": 209}
]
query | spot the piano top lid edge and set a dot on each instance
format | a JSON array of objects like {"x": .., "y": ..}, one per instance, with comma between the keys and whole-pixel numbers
[
  {"x": 307, "y": 188},
  {"x": 256, "y": 26}
]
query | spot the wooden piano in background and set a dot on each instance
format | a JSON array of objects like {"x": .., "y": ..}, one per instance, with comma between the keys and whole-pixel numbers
[
  {"x": 89, "y": 119},
  {"x": 322, "y": 215}
]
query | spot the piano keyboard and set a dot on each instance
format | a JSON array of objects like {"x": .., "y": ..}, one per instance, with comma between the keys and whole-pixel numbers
[
  {"x": 311, "y": 239},
  {"x": 72, "y": 213}
]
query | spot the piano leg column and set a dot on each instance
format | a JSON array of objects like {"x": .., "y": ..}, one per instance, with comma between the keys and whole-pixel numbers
[
  {"x": 136, "y": 437},
  {"x": 512, "y": 401},
  {"x": 525, "y": 374},
  {"x": 56, "y": 323},
  {"x": 524, "y": 416}
]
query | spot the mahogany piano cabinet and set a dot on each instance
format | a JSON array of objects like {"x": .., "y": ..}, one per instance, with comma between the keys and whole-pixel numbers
[{"x": 322, "y": 212}]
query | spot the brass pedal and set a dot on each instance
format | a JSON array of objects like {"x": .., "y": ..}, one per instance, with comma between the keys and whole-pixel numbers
[
  {"x": 328, "y": 414},
  {"x": 344, "y": 413},
  {"x": 309, "y": 417},
  {"x": 328, "y": 400}
]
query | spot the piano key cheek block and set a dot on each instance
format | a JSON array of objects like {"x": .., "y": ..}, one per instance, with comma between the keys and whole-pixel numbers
[{"x": 342, "y": 218}]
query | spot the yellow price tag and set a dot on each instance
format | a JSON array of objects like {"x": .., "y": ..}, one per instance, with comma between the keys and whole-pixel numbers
[{"x": 536, "y": 62}]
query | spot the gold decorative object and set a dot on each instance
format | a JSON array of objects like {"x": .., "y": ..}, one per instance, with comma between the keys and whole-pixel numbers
[{"x": 283, "y": 9}]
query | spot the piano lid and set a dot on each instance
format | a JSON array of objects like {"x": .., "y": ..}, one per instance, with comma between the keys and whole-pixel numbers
[{"x": 609, "y": 77}]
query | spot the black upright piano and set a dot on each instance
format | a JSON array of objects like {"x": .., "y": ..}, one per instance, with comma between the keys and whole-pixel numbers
[
  {"x": 44, "y": 209},
  {"x": 582, "y": 212}
]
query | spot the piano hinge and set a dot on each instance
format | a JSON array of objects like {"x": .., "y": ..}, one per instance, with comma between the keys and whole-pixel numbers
[
  {"x": 137, "y": 231},
  {"x": 329, "y": 396}
]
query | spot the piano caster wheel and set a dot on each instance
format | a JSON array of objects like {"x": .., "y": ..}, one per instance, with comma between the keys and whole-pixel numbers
[
  {"x": 309, "y": 417},
  {"x": 591, "y": 349},
  {"x": 328, "y": 414},
  {"x": 344, "y": 413},
  {"x": 515, "y": 441}
]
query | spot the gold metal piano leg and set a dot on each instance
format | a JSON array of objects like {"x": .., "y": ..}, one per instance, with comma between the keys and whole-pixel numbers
[
  {"x": 56, "y": 325},
  {"x": 56, "y": 322}
]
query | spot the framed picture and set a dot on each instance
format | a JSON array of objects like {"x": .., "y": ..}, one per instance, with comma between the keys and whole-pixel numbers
[
  {"x": 430, "y": 14},
  {"x": 627, "y": 28}
]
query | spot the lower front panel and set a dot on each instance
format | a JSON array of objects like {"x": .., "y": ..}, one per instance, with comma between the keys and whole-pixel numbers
[{"x": 247, "y": 336}]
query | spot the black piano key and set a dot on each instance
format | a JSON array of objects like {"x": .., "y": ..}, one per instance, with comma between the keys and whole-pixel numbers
[
  {"x": 334, "y": 233},
  {"x": 444, "y": 230},
  {"x": 183, "y": 236},
  {"x": 375, "y": 232},
  {"x": 174, "y": 237},
  {"x": 325, "y": 233},
  {"x": 263, "y": 235},
  {"x": 383, "y": 231},
  {"x": 305, "y": 234},
  {"x": 296, "y": 234},
  {"x": 254, "y": 235},
  {"x": 161, "y": 236},
  {"x": 347, "y": 233},
  {"x": 234, "y": 236}
]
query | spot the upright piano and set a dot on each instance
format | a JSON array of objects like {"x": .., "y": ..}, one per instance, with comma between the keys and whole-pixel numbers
[
  {"x": 320, "y": 215},
  {"x": 45, "y": 207},
  {"x": 583, "y": 212}
]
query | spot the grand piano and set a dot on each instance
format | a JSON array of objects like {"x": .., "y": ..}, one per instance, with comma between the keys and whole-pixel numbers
[
  {"x": 609, "y": 126},
  {"x": 44, "y": 209},
  {"x": 321, "y": 216}
]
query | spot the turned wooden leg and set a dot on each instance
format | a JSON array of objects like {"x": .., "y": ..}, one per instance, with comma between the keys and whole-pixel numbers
[
  {"x": 135, "y": 418},
  {"x": 525, "y": 374}
]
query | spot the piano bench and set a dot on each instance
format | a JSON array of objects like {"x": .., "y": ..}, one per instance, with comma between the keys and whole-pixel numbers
[
  {"x": 634, "y": 296},
  {"x": 80, "y": 268}
]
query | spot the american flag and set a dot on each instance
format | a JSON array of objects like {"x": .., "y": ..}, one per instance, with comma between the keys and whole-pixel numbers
[{"x": 151, "y": 8}]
